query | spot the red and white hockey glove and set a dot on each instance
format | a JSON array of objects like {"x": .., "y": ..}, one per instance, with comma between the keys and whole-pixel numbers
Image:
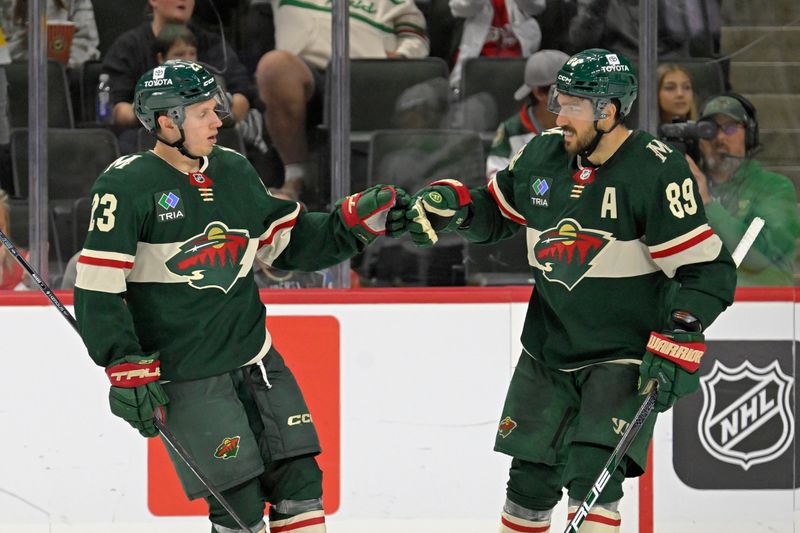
[
  {"x": 442, "y": 206},
  {"x": 135, "y": 392},
  {"x": 366, "y": 213},
  {"x": 672, "y": 360}
]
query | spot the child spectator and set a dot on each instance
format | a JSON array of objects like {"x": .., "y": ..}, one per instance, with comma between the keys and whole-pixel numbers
[{"x": 175, "y": 41}]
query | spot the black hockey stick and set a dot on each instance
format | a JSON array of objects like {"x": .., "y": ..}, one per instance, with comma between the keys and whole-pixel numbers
[
  {"x": 159, "y": 423},
  {"x": 646, "y": 408}
]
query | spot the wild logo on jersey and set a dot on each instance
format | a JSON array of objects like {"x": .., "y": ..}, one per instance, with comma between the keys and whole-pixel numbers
[
  {"x": 212, "y": 258},
  {"x": 567, "y": 252}
]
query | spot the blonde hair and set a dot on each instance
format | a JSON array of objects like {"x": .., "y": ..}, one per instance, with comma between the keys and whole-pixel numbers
[
  {"x": 6, "y": 259},
  {"x": 669, "y": 68}
]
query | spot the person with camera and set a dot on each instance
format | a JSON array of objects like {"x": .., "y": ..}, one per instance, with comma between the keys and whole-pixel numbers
[{"x": 735, "y": 189}]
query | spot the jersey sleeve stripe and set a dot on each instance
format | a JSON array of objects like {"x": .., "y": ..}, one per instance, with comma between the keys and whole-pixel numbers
[
  {"x": 277, "y": 229},
  {"x": 112, "y": 263},
  {"x": 100, "y": 278},
  {"x": 114, "y": 256},
  {"x": 277, "y": 226},
  {"x": 505, "y": 207},
  {"x": 682, "y": 243},
  {"x": 696, "y": 239},
  {"x": 700, "y": 249},
  {"x": 275, "y": 240}
]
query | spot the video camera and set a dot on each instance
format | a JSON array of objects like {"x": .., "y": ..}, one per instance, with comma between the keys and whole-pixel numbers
[
  {"x": 685, "y": 134},
  {"x": 688, "y": 130}
]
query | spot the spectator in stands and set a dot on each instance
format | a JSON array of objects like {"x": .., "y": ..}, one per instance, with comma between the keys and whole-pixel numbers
[
  {"x": 493, "y": 28},
  {"x": 11, "y": 273},
  {"x": 675, "y": 94},
  {"x": 291, "y": 78},
  {"x": 131, "y": 55},
  {"x": 515, "y": 132},
  {"x": 676, "y": 103},
  {"x": 84, "y": 40},
  {"x": 685, "y": 27},
  {"x": 175, "y": 41},
  {"x": 422, "y": 106},
  {"x": 735, "y": 189}
]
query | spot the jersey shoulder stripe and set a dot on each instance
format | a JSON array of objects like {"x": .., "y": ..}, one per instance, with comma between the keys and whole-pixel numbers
[
  {"x": 502, "y": 202},
  {"x": 274, "y": 241},
  {"x": 284, "y": 222}
]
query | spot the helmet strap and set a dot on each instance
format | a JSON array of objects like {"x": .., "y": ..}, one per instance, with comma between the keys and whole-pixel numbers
[
  {"x": 177, "y": 144},
  {"x": 598, "y": 135}
]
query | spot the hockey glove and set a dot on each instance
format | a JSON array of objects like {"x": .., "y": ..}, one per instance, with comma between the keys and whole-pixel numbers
[
  {"x": 672, "y": 360},
  {"x": 443, "y": 206},
  {"x": 366, "y": 213},
  {"x": 396, "y": 221},
  {"x": 135, "y": 392}
]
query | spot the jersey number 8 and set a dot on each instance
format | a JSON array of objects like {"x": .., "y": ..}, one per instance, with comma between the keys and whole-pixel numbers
[
  {"x": 105, "y": 222},
  {"x": 681, "y": 199}
]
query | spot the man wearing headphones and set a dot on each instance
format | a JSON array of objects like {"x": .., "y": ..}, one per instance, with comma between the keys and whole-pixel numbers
[{"x": 735, "y": 188}]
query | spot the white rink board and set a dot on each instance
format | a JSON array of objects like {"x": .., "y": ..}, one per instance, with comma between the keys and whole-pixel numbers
[{"x": 417, "y": 427}]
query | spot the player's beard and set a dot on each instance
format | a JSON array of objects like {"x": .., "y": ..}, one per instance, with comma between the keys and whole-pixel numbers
[{"x": 581, "y": 141}]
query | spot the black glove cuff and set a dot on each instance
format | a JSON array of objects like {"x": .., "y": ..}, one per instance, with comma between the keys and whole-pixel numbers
[
  {"x": 468, "y": 218},
  {"x": 685, "y": 321}
]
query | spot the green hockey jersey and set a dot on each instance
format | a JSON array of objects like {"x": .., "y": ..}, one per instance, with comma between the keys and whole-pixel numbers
[
  {"x": 613, "y": 249},
  {"x": 168, "y": 261}
]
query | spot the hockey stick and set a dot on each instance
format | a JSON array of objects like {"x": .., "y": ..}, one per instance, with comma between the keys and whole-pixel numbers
[
  {"x": 159, "y": 423},
  {"x": 646, "y": 408}
]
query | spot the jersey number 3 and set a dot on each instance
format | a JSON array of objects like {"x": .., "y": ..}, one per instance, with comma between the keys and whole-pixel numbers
[
  {"x": 681, "y": 198},
  {"x": 105, "y": 221}
]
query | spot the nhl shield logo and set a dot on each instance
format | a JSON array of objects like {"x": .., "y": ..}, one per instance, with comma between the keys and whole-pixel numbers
[{"x": 746, "y": 417}]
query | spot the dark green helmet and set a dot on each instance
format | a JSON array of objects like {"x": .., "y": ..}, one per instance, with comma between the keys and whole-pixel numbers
[
  {"x": 600, "y": 76},
  {"x": 169, "y": 88}
]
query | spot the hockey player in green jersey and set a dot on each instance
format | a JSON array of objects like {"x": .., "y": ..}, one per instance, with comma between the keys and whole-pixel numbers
[
  {"x": 628, "y": 276},
  {"x": 166, "y": 302}
]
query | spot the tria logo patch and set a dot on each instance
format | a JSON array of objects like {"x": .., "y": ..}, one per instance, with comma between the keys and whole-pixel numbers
[
  {"x": 506, "y": 426},
  {"x": 746, "y": 417},
  {"x": 213, "y": 258},
  {"x": 228, "y": 449},
  {"x": 168, "y": 206},
  {"x": 567, "y": 252},
  {"x": 540, "y": 191}
]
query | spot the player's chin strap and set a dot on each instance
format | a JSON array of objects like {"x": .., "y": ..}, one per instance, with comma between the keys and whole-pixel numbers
[
  {"x": 177, "y": 144},
  {"x": 598, "y": 134}
]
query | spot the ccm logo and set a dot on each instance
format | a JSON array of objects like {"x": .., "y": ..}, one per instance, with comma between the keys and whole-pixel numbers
[{"x": 299, "y": 419}]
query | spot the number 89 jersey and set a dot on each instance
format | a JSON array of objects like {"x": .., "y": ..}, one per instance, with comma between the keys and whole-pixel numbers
[{"x": 606, "y": 246}]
